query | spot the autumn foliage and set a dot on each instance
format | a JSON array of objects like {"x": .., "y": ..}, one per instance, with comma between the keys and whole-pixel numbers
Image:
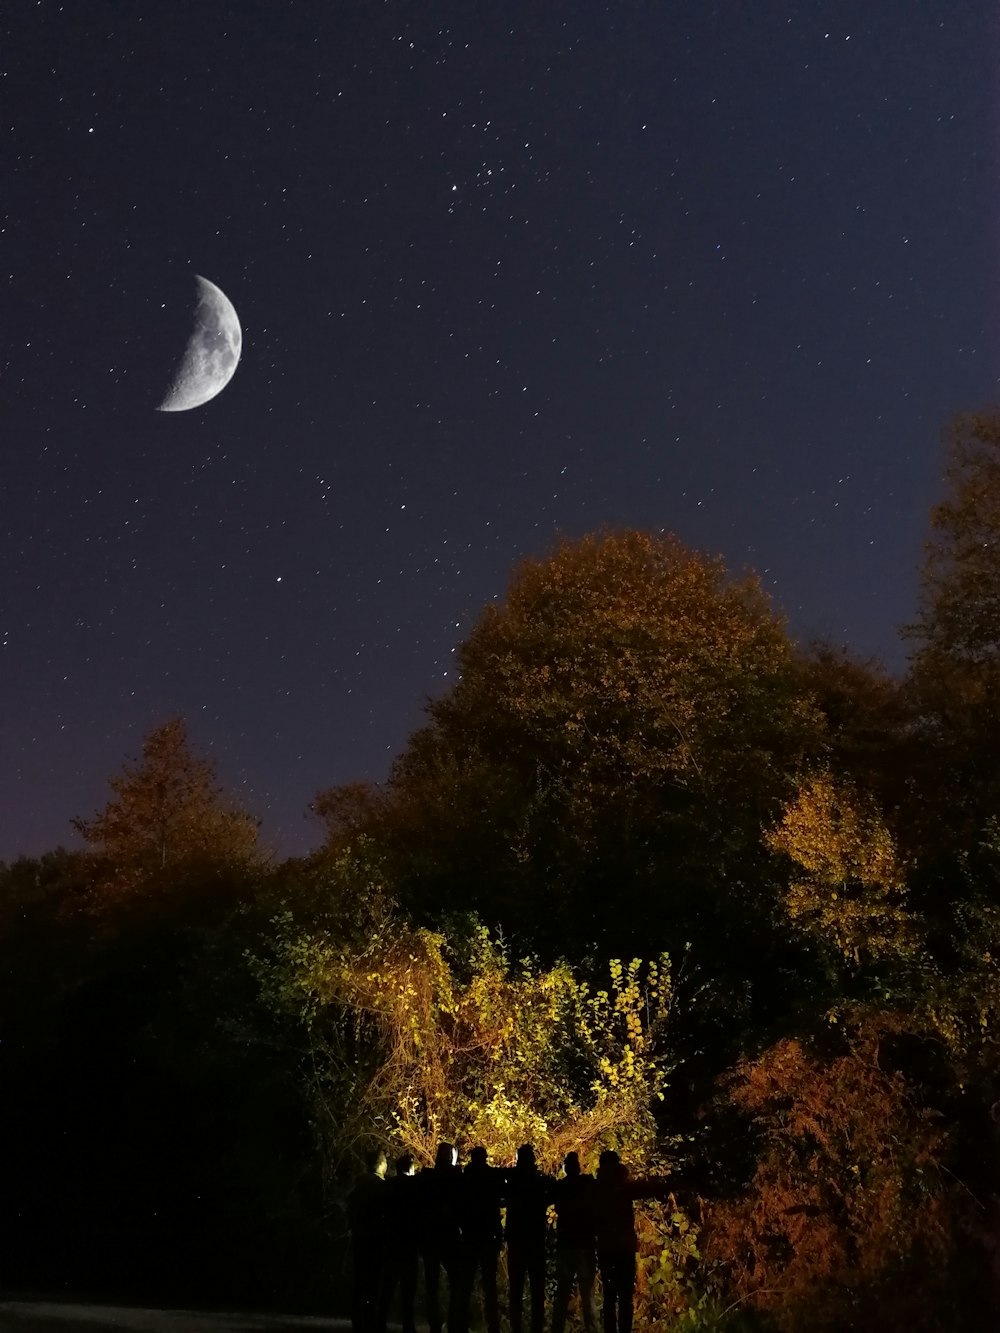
[
  {"x": 853, "y": 1217},
  {"x": 849, "y": 886},
  {"x": 652, "y": 876},
  {"x": 167, "y": 819}
]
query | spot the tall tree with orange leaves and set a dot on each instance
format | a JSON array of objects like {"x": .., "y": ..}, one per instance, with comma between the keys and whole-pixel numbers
[
  {"x": 622, "y": 726},
  {"x": 167, "y": 818}
]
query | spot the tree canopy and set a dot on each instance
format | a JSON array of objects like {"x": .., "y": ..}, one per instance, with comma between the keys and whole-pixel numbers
[
  {"x": 959, "y": 613},
  {"x": 168, "y": 814},
  {"x": 954, "y": 681},
  {"x": 622, "y": 724}
]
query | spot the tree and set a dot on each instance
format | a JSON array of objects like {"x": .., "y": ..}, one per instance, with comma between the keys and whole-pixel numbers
[
  {"x": 955, "y": 669},
  {"x": 955, "y": 673},
  {"x": 346, "y": 809},
  {"x": 595, "y": 783},
  {"x": 849, "y": 887},
  {"x": 855, "y": 1216},
  {"x": 168, "y": 818},
  {"x": 414, "y": 1037},
  {"x": 469, "y": 1047},
  {"x": 867, "y": 718},
  {"x": 201, "y": 1187},
  {"x": 621, "y": 726},
  {"x": 959, "y": 611}
]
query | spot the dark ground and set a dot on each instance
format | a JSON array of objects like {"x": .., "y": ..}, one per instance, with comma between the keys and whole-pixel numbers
[{"x": 39, "y": 1316}]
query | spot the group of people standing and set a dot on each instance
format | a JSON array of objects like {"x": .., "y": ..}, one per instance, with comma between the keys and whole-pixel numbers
[{"x": 450, "y": 1218}]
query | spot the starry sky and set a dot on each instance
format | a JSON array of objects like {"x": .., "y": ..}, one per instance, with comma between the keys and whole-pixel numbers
[{"x": 506, "y": 271}]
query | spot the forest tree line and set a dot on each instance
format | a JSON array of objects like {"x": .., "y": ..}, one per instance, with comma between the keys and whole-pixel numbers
[{"x": 652, "y": 877}]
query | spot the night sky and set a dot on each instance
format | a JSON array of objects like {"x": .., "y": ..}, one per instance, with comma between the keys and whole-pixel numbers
[{"x": 505, "y": 271}]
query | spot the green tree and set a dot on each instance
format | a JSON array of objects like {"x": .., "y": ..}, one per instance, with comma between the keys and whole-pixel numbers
[{"x": 467, "y": 1046}]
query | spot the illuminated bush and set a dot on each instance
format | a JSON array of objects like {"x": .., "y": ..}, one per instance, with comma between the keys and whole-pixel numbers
[{"x": 853, "y": 1218}]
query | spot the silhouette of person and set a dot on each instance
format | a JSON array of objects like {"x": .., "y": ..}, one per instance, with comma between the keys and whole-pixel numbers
[
  {"x": 439, "y": 1216},
  {"x": 366, "y": 1218},
  {"x": 402, "y": 1245},
  {"x": 576, "y": 1244},
  {"x": 528, "y": 1194},
  {"x": 617, "y": 1243},
  {"x": 480, "y": 1196}
]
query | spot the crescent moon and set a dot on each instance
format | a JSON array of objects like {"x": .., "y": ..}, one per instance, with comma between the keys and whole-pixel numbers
[{"x": 212, "y": 353}]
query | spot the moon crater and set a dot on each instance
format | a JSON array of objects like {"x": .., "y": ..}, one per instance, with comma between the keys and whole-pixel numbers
[{"x": 212, "y": 352}]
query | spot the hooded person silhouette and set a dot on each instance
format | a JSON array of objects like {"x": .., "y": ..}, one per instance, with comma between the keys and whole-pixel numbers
[
  {"x": 366, "y": 1218},
  {"x": 528, "y": 1194},
  {"x": 576, "y": 1244},
  {"x": 480, "y": 1196},
  {"x": 402, "y": 1245},
  {"x": 617, "y": 1242},
  {"x": 438, "y": 1212}
]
